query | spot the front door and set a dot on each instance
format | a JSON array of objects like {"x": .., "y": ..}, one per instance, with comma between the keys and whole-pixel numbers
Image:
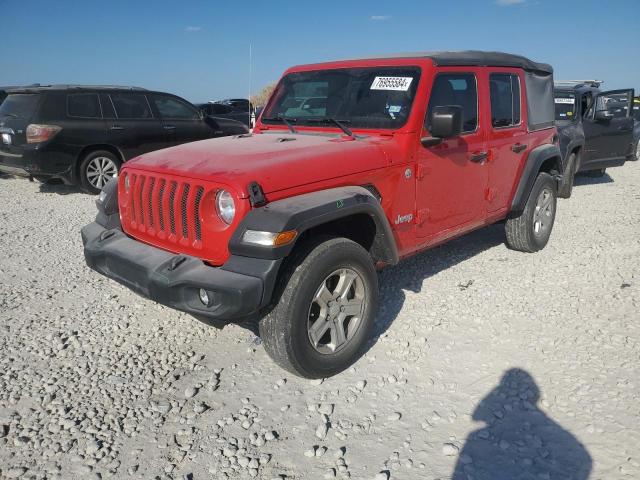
[
  {"x": 181, "y": 121},
  {"x": 608, "y": 130},
  {"x": 451, "y": 177}
]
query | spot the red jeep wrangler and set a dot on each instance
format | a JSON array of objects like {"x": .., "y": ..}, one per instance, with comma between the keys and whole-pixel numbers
[{"x": 353, "y": 166}]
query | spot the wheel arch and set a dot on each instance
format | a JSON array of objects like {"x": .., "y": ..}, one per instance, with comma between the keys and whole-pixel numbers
[
  {"x": 94, "y": 148},
  {"x": 352, "y": 212},
  {"x": 545, "y": 158}
]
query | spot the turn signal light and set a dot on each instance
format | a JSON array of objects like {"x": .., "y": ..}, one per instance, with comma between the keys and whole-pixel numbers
[
  {"x": 269, "y": 239},
  {"x": 41, "y": 133}
]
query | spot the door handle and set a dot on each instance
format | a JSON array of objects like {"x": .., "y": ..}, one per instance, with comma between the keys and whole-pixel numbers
[
  {"x": 478, "y": 157},
  {"x": 117, "y": 127},
  {"x": 169, "y": 127},
  {"x": 518, "y": 147}
]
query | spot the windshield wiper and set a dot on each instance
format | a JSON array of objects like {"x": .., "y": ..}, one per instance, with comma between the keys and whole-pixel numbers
[
  {"x": 339, "y": 123},
  {"x": 283, "y": 119}
]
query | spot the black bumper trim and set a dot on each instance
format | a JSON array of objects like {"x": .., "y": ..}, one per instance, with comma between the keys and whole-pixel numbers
[{"x": 147, "y": 271}]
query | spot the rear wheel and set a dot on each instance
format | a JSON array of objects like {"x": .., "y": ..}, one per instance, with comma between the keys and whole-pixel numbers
[
  {"x": 96, "y": 169},
  {"x": 530, "y": 231},
  {"x": 566, "y": 187},
  {"x": 326, "y": 310}
]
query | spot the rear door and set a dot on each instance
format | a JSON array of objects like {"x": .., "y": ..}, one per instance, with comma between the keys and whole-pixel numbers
[
  {"x": 131, "y": 124},
  {"x": 507, "y": 137},
  {"x": 451, "y": 177},
  {"x": 608, "y": 130},
  {"x": 181, "y": 121}
]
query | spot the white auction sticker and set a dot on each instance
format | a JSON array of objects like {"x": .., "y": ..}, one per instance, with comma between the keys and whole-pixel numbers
[
  {"x": 569, "y": 101},
  {"x": 391, "y": 83}
]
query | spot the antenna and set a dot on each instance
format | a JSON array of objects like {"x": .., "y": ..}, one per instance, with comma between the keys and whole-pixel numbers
[{"x": 250, "y": 61}]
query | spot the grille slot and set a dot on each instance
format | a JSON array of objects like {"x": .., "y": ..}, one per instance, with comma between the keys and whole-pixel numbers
[
  {"x": 183, "y": 211},
  {"x": 196, "y": 212},
  {"x": 152, "y": 182},
  {"x": 172, "y": 213},
  {"x": 139, "y": 199},
  {"x": 163, "y": 183}
]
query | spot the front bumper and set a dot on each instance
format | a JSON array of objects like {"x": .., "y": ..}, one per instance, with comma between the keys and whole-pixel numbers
[{"x": 175, "y": 280}]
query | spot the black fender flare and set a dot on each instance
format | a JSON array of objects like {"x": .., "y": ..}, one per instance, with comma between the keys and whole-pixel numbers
[
  {"x": 302, "y": 212},
  {"x": 534, "y": 161}
]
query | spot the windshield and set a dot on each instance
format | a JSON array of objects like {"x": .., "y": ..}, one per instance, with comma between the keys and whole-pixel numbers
[
  {"x": 19, "y": 105},
  {"x": 379, "y": 97},
  {"x": 565, "y": 106}
]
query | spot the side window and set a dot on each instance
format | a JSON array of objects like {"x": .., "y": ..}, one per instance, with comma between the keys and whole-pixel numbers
[
  {"x": 456, "y": 89},
  {"x": 170, "y": 107},
  {"x": 107, "y": 106},
  {"x": 505, "y": 99},
  {"x": 131, "y": 105},
  {"x": 83, "y": 105}
]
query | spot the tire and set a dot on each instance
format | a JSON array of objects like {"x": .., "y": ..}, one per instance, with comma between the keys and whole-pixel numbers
[
  {"x": 530, "y": 231},
  {"x": 637, "y": 157},
  {"x": 309, "y": 287},
  {"x": 96, "y": 169},
  {"x": 596, "y": 173},
  {"x": 566, "y": 187}
]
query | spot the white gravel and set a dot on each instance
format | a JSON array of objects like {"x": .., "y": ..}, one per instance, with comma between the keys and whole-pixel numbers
[{"x": 96, "y": 382}]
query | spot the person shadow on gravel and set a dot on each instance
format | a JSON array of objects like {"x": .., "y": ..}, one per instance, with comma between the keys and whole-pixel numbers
[{"x": 519, "y": 441}]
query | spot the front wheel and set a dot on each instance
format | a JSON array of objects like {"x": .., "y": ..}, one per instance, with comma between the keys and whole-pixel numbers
[
  {"x": 96, "y": 169},
  {"x": 326, "y": 309},
  {"x": 530, "y": 231}
]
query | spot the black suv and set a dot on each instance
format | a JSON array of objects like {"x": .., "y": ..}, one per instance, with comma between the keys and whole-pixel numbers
[
  {"x": 83, "y": 134},
  {"x": 595, "y": 129},
  {"x": 239, "y": 109}
]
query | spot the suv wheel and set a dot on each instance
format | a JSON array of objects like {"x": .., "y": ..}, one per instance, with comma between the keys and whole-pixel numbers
[
  {"x": 326, "y": 310},
  {"x": 638, "y": 151},
  {"x": 530, "y": 231},
  {"x": 564, "y": 191},
  {"x": 96, "y": 169}
]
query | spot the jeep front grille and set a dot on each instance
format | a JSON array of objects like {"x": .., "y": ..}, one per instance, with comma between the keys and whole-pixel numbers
[{"x": 166, "y": 209}]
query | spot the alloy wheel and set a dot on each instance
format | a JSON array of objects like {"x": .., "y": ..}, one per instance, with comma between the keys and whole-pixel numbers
[
  {"x": 543, "y": 214},
  {"x": 336, "y": 311},
  {"x": 100, "y": 170}
]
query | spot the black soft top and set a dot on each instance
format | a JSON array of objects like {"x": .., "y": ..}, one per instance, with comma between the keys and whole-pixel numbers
[{"x": 475, "y": 58}]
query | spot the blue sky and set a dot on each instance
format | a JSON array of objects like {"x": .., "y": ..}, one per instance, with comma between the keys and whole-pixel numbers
[{"x": 200, "y": 49}]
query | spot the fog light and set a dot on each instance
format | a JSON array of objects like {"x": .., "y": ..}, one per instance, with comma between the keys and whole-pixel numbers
[{"x": 204, "y": 297}]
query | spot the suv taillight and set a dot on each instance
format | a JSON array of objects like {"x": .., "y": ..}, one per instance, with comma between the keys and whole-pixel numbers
[{"x": 41, "y": 133}]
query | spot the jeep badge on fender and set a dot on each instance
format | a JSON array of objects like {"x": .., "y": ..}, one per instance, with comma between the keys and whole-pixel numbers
[{"x": 288, "y": 225}]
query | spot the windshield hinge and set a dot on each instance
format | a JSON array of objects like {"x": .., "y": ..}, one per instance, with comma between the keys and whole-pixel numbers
[{"x": 256, "y": 195}]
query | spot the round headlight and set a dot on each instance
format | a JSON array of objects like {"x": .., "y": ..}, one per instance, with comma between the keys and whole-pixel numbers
[{"x": 225, "y": 206}]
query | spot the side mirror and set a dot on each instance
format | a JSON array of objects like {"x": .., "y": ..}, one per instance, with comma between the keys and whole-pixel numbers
[
  {"x": 446, "y": 122},
  {"x": 603, "y": 115}
]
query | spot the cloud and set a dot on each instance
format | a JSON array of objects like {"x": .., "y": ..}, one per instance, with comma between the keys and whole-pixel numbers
[
  {"x": 192, "y": 29},
  {"x": 509, "y": 3},
  {"x": 379, "y": 18}
]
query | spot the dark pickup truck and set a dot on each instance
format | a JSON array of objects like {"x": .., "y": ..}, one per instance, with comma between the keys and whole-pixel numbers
[{"x": 595, "y": 129}]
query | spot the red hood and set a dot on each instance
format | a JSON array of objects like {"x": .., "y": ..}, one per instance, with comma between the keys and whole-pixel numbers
[{"x": 276, "y": 161}]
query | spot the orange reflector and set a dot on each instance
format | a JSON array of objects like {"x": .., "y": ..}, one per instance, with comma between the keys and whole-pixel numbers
[{"x": 284, "y": 237}]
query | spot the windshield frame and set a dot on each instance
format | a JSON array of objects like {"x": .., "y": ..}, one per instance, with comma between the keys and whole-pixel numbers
[{"x": 316, "y": 122}]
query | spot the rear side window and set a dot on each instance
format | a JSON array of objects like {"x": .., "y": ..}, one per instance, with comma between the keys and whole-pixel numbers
[
  {"x": 131, "y": 105},
  {"x": 19, "y": 105},
  {"x": 505, "y": 100},
  {"x": 83, "y": 105},
  {"x": 170, "y": 107}
]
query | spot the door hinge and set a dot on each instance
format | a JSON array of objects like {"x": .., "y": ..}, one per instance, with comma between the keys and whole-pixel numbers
[
  {"x": 421, "y": 216},
  {"x": 422, "y": 171},
  {"x": 490, "y": 194}
]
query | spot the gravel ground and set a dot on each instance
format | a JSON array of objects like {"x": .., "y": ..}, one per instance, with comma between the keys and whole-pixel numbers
[{"x": 487, "y": 363}]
